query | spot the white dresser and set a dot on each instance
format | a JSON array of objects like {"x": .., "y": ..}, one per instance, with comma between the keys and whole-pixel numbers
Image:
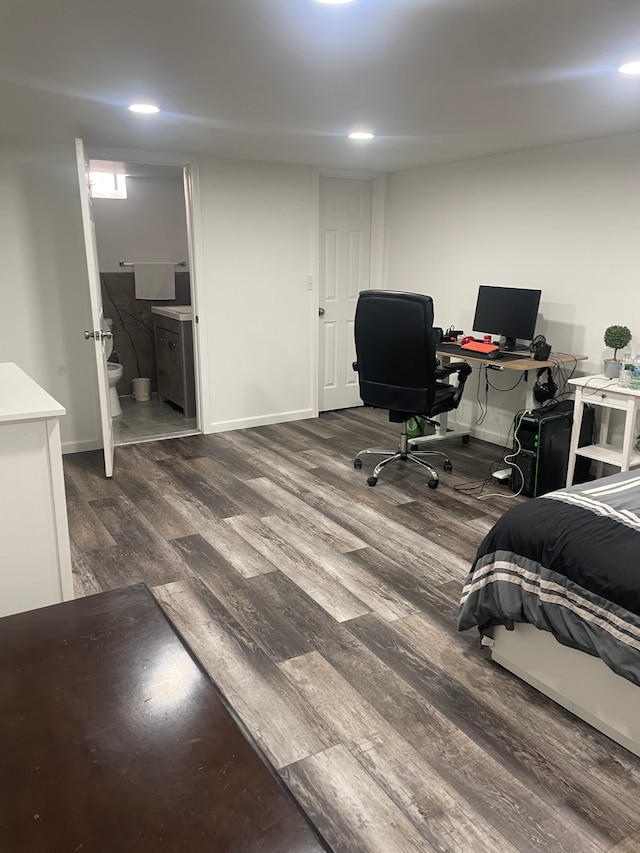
[{"x": 35, "y": 563}]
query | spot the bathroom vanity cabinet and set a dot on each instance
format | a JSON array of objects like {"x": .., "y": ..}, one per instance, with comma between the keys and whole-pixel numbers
[
  {"x": 35, "y": 567},
  {"x": 173, "y": 335}
]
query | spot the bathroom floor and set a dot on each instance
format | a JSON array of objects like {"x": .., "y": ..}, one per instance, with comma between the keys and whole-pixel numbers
[{"x": 149, "y": 420}]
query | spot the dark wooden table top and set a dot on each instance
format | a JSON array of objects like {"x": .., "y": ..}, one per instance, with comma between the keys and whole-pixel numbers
[{"x": 114, "y": 740}]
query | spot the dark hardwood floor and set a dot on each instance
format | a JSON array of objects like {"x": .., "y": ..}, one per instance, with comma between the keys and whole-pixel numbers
[{"x": 325, "y": 612}]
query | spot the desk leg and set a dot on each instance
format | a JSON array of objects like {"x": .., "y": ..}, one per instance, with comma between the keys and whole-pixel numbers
[
  {"x": 530, "y": 402},
  {"x": 578, "y": 409},
  {"x": 442, "y": 431}
]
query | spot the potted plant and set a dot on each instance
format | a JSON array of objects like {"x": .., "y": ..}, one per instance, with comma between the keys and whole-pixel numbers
[{"x": 615, "y": 337}]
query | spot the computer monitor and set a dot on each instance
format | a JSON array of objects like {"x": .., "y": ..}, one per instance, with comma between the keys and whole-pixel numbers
[{"x": 508, "y": 311}]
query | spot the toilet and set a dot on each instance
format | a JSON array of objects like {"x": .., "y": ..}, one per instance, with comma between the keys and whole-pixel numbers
[{"x": 114, "y": 374}]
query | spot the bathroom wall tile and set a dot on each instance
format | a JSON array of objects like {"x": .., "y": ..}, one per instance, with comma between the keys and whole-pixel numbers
[{"x": 132, "y": 324}]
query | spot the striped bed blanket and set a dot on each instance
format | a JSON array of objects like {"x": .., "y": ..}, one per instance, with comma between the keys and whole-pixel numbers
[{"x": 569, "y": 563}]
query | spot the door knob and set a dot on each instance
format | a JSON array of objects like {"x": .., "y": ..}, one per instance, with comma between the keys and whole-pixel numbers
[
  {"x": 98, "y": 335},
  {"x": 321, "y": 312}
]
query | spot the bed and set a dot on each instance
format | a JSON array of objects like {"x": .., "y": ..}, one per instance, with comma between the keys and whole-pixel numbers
[{"x": 555, "y": 592}]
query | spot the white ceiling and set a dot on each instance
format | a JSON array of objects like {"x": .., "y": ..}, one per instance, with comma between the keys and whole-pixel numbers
[{"x": 285, "y": 80}]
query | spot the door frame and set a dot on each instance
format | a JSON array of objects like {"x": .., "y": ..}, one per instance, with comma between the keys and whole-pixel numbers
[
  {"x": 191, "y": 184},
  {"x": 378, "y": 186}
]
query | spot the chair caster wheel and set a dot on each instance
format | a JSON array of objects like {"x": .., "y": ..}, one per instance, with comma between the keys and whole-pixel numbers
[
  {"x": 465, "y": 439},
  {"x": 372, "y": 480},
  {"x": 433, "y": 484},
  {"x": 448, "y": 466},
  {"x": 357, "y": 463}
]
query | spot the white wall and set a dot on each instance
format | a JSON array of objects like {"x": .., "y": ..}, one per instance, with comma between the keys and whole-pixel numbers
[
  {"x": 44, "y": 302},
  {"x": 257, "y": 221},
  {"x": 257, "y": 248},
  {"x": 565, "y": 219},
  {"x": 149, "y": 225}
]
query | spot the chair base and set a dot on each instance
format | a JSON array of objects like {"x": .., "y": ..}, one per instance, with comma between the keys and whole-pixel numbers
[{"x": 403, "y": 453}]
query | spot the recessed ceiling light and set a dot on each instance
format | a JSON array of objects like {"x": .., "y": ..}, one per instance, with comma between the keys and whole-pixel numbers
[
  {"x": 361, "y": 134},
  {"x": 144, "y": 108},
  {"x": 335, "y": 2},
  {"x": 630, "y": 68}
]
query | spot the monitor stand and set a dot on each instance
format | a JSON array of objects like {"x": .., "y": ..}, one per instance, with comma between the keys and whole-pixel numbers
[{"x": 510, "y": 345}]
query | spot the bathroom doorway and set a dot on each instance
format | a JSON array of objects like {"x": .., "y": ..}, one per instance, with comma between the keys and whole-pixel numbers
[{"x": 140, "y": 217}]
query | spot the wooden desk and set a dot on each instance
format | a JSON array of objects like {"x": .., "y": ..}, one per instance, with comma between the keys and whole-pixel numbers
[
  {"x": 518, "y": 363},
  {"x": 114, "y": 740}
]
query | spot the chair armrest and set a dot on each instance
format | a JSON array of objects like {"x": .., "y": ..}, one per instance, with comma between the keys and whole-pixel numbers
[
  {"x": 463, "y": 370},
  {"x": 460, "y": 367}
]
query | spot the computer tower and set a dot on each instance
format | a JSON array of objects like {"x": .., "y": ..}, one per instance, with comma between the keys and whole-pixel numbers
[{"x": 541, "y": 448}]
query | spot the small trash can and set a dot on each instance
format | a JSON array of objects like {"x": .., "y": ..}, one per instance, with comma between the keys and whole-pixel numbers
[
  {"x": 141, "y": 389},
  {"x": 415, "y": 426}
]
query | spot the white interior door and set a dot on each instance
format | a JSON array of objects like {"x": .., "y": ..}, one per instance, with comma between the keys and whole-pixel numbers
[
  {"x": 345, "y": 270},
  {"x": 96, "y": 335}
]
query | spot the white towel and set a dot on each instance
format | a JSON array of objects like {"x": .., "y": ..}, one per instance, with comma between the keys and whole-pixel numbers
[{"x": 155, "y": 281}]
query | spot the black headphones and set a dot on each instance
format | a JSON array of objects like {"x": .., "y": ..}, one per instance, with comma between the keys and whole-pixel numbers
[
  {"x": 539, "y": 348},
  {"x": 543, "y": 391}
]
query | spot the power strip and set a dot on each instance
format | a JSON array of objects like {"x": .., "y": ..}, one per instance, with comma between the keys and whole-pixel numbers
[{"x": 502, "y": 475}]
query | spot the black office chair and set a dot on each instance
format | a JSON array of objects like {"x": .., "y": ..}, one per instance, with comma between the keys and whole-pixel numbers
[{"x": 398, "y": 370}]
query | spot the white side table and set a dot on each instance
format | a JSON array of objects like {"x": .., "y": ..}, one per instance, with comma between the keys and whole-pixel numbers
[
  {"x": 597, "y": 390},
  {"x": 35, "y": 561}
]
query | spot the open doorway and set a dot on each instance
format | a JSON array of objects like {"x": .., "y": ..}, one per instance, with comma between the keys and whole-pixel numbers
[{"x": 146, "y": 286}]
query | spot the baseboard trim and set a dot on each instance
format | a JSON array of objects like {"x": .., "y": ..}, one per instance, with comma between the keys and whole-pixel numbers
[
  {"x": 81, "y": 446},
  {"x": 261, "y": 420},
  {"x": 221, "y": 426}
]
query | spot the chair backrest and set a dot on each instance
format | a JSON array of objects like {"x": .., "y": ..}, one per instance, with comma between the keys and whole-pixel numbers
[{"x": 395, "y": 350}]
